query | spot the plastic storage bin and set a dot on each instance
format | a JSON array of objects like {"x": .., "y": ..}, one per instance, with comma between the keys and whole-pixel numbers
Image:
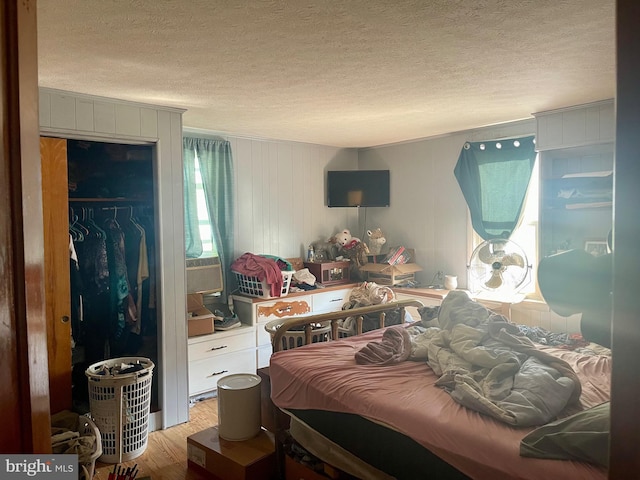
[
  {"x": 253, "y": 287},
  {"x": 119, "y": 401}
]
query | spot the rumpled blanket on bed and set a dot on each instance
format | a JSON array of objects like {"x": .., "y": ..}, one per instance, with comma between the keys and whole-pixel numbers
[
  {"x": 394, "y": 347},
  {"x": 486, "y": 364}
]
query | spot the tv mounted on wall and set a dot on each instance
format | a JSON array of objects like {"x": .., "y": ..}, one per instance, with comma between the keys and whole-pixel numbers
[{"x": 358, "y": 188}]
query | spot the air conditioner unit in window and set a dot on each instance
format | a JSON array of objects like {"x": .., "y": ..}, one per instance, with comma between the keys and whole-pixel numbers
[{"x": 204, "y": 275}]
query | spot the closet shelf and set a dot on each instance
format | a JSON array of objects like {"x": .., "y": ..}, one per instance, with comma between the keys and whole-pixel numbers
[{"x": 108, "y": 200}]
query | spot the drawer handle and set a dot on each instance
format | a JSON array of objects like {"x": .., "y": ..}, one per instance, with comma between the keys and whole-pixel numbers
[
  {"x": 336, "y": 300},
  {"x": 217, "y": 373},
  {"x": 285, "y": 309},
  {"x": 218, "y": 348}
]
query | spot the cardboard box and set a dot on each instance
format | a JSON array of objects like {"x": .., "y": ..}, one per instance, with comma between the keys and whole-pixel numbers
[
  {"x": 402, "y": 271},
  {"x": 227, "y": 460},
  {"x": 385, "y": 274},
  {"x": 200, "y": 319}
]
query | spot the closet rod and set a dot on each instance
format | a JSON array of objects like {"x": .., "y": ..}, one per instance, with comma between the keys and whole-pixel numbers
[{"x": 116, "y": 207}]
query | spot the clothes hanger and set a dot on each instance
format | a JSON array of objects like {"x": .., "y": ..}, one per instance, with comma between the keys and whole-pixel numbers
[
  {"x": 76, "y": 235},
  {"x": 97, "y": 231}
]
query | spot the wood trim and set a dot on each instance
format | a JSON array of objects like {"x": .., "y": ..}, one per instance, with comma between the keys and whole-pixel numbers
[
  {"x": 625, "y": 425},
  {"x": 56, "y": 270},
  {"x": 24, "y": 376}
]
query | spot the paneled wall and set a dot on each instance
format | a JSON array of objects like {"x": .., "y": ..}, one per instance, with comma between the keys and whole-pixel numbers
[
  {"x": 428, "y": 211},
  {"x": 577, "y": 126},
  {"x": 280, "y": 205}
]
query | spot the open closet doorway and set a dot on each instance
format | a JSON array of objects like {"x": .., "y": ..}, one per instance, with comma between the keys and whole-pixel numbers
[{"x": 100, "y": 261}]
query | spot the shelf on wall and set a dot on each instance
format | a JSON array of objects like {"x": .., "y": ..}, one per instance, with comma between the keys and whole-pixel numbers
[{"x": 579, "y": 206}]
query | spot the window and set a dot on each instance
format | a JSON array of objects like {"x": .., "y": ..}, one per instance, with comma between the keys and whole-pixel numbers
[
  {"x": 209, "y": 248},
  {"x": 208, "y": 203},
  {"x": 526, "y": 232}
]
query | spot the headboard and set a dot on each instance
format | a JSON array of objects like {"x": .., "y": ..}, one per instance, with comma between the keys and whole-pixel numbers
[{"x": 332, "y": 319}]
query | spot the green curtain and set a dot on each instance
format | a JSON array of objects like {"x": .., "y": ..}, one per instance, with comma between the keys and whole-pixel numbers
[
  {"x": 216, "y": 168},
  {"x": 192, "y": 240},
  {"x": 494, "y": 177}
]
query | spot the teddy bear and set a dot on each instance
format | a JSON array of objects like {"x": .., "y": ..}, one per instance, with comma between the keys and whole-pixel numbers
[
  {"x": 353, "y": 249},
  {"x": 376, "y": 241},
  {"x": 345, "y": 240}
]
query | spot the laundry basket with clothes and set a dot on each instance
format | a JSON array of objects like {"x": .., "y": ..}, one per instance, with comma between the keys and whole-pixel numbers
[{"x": 76, "y": 434}]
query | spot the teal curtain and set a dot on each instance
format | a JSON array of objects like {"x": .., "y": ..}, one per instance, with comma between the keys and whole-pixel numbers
[
  {"x": 216, "y": 168},
  {"x": 494, "y": 177},
  {"x": 192, "y": 240}
]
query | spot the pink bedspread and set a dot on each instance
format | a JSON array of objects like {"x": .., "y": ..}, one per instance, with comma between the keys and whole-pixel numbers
[{"x": 325, "y": 376}]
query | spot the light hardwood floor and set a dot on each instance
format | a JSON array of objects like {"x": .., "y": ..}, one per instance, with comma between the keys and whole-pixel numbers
[{"x": 166, "y": 455}]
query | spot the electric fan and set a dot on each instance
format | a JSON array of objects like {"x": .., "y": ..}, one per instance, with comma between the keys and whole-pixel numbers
[{"x": 498, "y": 264}]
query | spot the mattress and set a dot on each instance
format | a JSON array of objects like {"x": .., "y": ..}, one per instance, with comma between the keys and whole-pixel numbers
[{"x": 402, "y": 397}]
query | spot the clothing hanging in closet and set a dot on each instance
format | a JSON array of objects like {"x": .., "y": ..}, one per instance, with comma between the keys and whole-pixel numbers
[{"x": 109, "y": 287}]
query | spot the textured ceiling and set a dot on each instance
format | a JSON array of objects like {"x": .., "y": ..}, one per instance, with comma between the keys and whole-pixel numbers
[{"x": 352, "y": 73}]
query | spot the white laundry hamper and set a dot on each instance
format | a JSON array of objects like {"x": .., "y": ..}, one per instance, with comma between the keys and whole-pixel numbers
[{"x": 119, "y": 405}]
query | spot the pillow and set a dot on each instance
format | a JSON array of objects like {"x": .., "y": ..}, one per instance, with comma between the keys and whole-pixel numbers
[{"x": 583, "y": 436}]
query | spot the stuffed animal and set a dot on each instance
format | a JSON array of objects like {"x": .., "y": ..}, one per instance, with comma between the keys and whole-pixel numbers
[
  {"x": 345, "y": 240},
  {"x": 353, "y": 249},
  {"x": 376, "y": 241}
]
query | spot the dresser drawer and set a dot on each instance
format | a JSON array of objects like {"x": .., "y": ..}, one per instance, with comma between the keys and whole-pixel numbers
[
  {"x": 205, "y": 373},
  {"x": 330, "y": 301},
  {"x": 221, "y": 343},
  {"x": 283, "y": 308}
]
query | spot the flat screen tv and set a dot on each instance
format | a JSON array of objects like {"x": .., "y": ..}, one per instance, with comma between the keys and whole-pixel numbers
[{"x": 358, "y": 188}]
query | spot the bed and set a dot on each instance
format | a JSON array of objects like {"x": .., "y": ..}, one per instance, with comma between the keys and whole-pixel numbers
[{"x": 394, "y": 417}]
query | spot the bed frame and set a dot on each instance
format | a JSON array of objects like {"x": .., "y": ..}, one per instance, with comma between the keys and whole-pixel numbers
[{"x": 332, "y": 318}]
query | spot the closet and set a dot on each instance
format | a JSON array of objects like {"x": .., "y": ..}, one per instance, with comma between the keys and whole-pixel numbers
[
  {"x": 127, "y": 132},
  {"x": 99, "y": 206}
]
